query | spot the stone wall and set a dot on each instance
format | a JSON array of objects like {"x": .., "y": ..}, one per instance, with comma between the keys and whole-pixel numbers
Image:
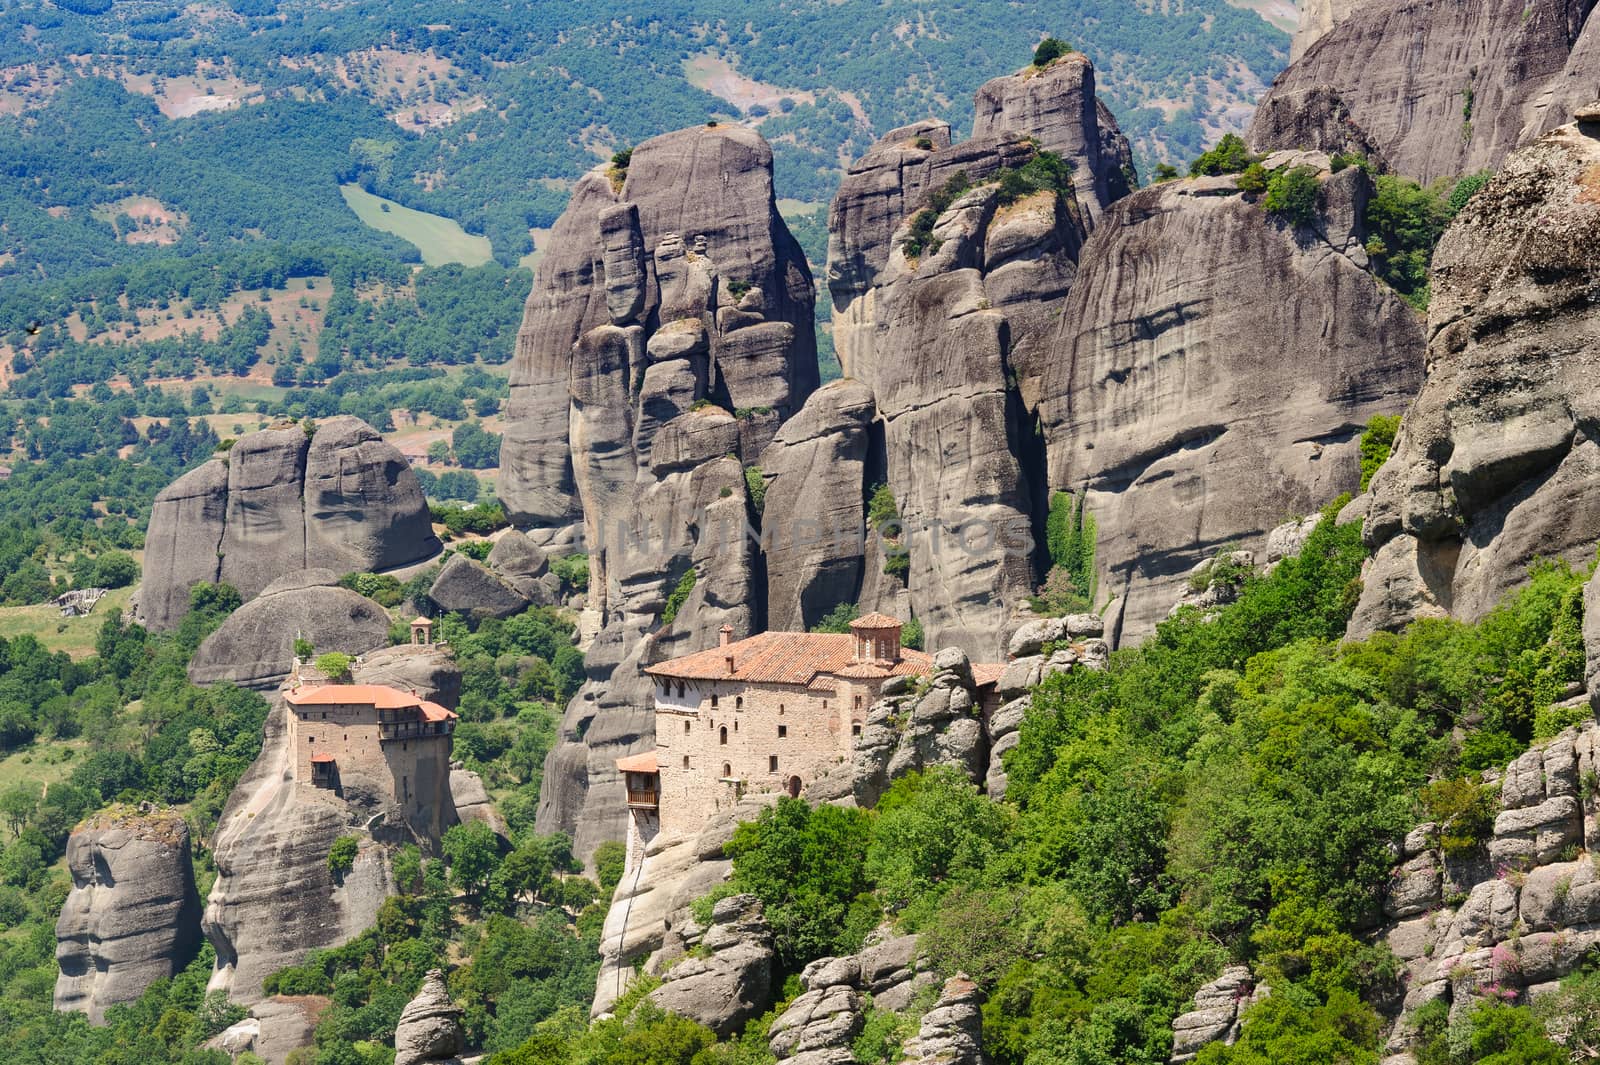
[{"x": 807, "y": 731}]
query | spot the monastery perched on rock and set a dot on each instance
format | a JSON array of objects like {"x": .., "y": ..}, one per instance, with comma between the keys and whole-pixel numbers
[{"x": 765, "y": 714}]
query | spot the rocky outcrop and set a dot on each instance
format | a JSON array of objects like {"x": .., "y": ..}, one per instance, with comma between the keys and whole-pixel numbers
[
  {"x": 1431, "y": 89},
  {"x": 254, "y": 648},
  {"x": 689, "y": 231},
  {"x": 908, "y": 733},
  {"x": 951, "y": 1032},
  {"x": 282, "y": 500},
  {"x": 948, "y": 323},
  {"x": 133, "y": 915},
  {"x": 820, "y": 1024},
  {"x": 1214, "y": 368},
  {"x": 1057, "y": 107},
  {"x": 885, "y": 187},
  {"x": 1215, "y": 1013},
  {"x": 668, "y": 335},
  {"x": 728, "y": 980},
  {"x": 1509, "y": 919},
  {"x": 649, "y": 921},
  {"x": 429, "y": 1029},
  {"x": 276, "y": 1027},
  {"x": 1074, "y": 643},
  {"x": 815, "y": 470},
  {"x": 1498, "y": 460},
  {"x": 468, "y": 587}
]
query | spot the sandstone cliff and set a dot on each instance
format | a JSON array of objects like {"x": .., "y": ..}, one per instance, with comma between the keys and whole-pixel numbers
[
  {"x": 1429, "y": 88},
  {"x": 1054, "y": 109},
  {"x": 278, "y": 501},
  {"x": 1498, "y": 461},
  {"x": 133, "y": 915},
  {"x": 1212, "y": 372},
  {"x": 667, "y": 336}
]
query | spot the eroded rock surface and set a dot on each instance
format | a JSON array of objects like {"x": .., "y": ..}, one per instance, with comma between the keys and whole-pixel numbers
[
  {"x": 279, "y": 501},
  {"x": 133, "y": 915},
  {"x": 1213, "y": 369},
  {"x": 667, "y": 337},
  {"x": 1507, "y": 920},
  {"x": 815, "y": 469},
  {"x": 731, "y": 982},
  {"x": 951, "y": 1032},
  {"x": 429, "y": 1029},
  {"x": 1498, "y": 461},
  {"x": 254, "y": 648},
  {"x": 1431, "y": 89},
  {"x": 1215, "y": 1012}
]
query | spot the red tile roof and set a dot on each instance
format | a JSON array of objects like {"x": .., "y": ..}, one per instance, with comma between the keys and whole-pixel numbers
[
  {"x": 877, "y": 621},
  {"x": 789, "y": 658},
  {"x": 638, "y": 763},
  {"x": 378, "y": 696},
  {"x": 987, "y": 673},
  {"x": 322, "y": 756}
]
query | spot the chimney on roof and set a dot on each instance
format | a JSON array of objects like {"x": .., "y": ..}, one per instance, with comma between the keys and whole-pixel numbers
[{"x": 726, "y": 632}]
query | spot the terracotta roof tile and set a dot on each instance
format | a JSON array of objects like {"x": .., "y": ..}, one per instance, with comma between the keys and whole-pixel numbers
[
  {"x": 788, "y": 658},
  {"x": 638, "y": 763},
  {"x": 877, "y": 621},
  {"x": 322, "y": 756},
  {"x": 378, "y": 696},
  {"x": 986, "y": 673}
]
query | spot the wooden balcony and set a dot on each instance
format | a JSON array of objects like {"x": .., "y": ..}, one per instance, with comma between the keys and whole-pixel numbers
[{"x": 643, "y": 799}]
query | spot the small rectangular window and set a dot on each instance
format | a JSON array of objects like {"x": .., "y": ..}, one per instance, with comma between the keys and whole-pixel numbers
[
  {"x": 772, "y": 763},
  {"x": 855, "y": 730},
  {"x": 783, "y": 731}
]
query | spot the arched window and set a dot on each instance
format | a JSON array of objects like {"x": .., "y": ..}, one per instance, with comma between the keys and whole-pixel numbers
[
  {"x": 724, "y": 735},
  {"x": 738, "y": 702},
  {"x": 686, "y": 761},
  {"x": 686, "y": 726},
  {"x": 727, "y": 771}
]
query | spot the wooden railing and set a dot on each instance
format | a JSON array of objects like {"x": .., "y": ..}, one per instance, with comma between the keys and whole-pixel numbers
[{"x": 643, "y": 798}]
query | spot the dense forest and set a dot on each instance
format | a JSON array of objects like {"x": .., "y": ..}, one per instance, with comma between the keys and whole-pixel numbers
[{"x": 485, "y": 115}]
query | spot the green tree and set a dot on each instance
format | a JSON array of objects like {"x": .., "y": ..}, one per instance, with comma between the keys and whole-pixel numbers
[
  {"x": 808, "y": 866},
  {"x": 1292, "y": 194},
  {"x": 473, "y": 853}
]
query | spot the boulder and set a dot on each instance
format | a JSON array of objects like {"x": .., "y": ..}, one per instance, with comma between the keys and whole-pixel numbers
[
  {"x": 472, "y": 802},
  {"x": 430, "y": 1026},
  {"x": 1215, "y": 1013},
  {"x": 254, "y": 648},
  {"x": 734, "y": 983},
  {"x": 1184, "y": 384},
  {"x": 952, "y": 1031},
  {"x": 469, "y": 587},
  {"x": 1497, "y": 462},
  {"x": 520, "y": 561},
  {"x": 282, "y": 500},
  {"x": 133, "y": 914}
]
